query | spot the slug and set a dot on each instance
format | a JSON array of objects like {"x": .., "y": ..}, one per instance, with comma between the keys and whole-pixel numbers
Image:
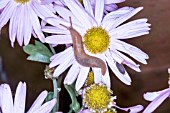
[
  {"x": 120, "y": 68},
  {"x": 81, "y": 57}
]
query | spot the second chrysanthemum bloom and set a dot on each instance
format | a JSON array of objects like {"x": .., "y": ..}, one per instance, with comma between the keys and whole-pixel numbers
[{"x": 102, "y": 37}]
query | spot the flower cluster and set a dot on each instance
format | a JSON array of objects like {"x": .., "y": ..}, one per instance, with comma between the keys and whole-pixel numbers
[{"x": 93, "y": 33}]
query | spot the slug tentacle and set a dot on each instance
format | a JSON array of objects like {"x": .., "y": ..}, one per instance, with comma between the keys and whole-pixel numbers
[{"x": 81, "y": 57}]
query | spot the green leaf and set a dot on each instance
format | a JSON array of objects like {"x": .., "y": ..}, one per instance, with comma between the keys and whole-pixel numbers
[
  {"x": 49, "y": 96},
  {"x": 38, "y": 52}
]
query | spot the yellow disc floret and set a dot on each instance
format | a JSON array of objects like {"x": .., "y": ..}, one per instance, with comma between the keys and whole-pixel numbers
[
  {"x": 90, "y": 79},
  {"x": 97, "y": 97},
  {"x": 96, "y": 40},
  {"x": 22, "y": 1}
]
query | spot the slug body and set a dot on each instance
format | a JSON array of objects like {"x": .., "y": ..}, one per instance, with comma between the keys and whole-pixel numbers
[
  {"x": 81, "y": 57},
  {"x": 120, "y": 68}
]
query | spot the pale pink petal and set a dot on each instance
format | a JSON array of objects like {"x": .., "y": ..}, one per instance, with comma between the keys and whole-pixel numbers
[
  {"x": 20, "y": 33},
  {"x": 85, "y": 111},
  {"x": 38, "y": 102},
  {"x": 113, "y": 1},
  {"x": 110, "y": 7},
  {"x": 133, "y": 51},
  {"x": 41, "y": 10},
  {"x": 6, "y": 13},
  {"x": 157, "y": 101},
  {"x": 85, "y": 18},
  {"x": 72, "y": 73},
  {"x": 62, "y": 67},
  {"x": 3, "y": 3},
  {"x": 123, "y": 77},
  {"x": 59, "y": 39},
  {"x": 6, "y": 98},
  {"x": 47, "y": 107},
  {"x": 36, "y": 24},
  {"x": 13, "y": 26},
  {"x": 133, "y": 109},
  {"x": 123, "y": 18},
  {"x": 55, "y": 30},
  {"x": 82, "y": 77},
  {"x": 27, "y": 27},
  {"x": 150, "y": 96},
  {"x": 65, "y": 13},
  {"x": 122, "y": 59},
  {"x": 99, "y": 8},
  {"x": 20, "y": 96},
  {"x": 131, "y": 29},
  {"x": 112, "y": 16},
  {"x": 88, "y": 7},
  {"x": 56, "y": 56}
]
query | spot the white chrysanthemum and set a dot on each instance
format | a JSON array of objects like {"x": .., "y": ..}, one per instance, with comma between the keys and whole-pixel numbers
[
  {"x": 23, "y": 16},
  {"x": 105, "y": 42},
  {"x": 7, "y": 104}
]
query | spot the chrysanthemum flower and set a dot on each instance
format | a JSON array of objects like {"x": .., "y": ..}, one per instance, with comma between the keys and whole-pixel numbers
[
  {"x": 102, "y": 37},
  {"x": 156, "y": 97},
  {"x": 97, "y": 98},
  {"x": 23, "y": 16},
  {"x": 7, "y": 104}
]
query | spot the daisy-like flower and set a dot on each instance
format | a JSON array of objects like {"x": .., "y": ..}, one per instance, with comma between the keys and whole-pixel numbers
[
  {"x": 156, "y": 97},
  {"x": 7, "y": 104},
  {"x": 102, "y": 37},
  {"x": 97, "y": 98},
  {"x": 23, "y": 16}
]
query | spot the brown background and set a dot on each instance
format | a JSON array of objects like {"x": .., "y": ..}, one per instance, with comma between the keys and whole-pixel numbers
[{"x": 153, "y": 77}]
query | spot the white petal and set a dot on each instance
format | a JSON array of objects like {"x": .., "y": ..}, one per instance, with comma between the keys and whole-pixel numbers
[
  {"x": 88, "y": 7},
  {"x": 56, "y": 30},
  {"x": 59, "y": 39},
  {"x": 133, "y": 51},
  {"x": 72, "y": 73},
  {"x": 99, "y": 8},
  {"x": 13, "y": 26},
  {"x": 97, "y": 75},
  {"x": 20, "y": 29},
  {"x": 62, "y": 67},
  {"x": 20, "y": 96},
  {"x": 123, "y": 18},
  {"x": 123, "y": 77},
  {"x": 112, "y": 16},
  {"x": 3, "y": 3},
  {"x": 65, "y": 13},
  {"x": 47, "y": 107},
  {"x": 41, "y": 10},
  {"x": 59, "y": 58},
  {"x": 82, "y": 77},
  {"x": 113, "y": 1},
  {"x": 86, "y": 20},
  {"x": 6, "y": 98},
  {"x": 36, "y": 24}
]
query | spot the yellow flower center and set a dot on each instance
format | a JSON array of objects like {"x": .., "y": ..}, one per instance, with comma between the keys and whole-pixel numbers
[
  {"x": 22, "y": 1},
  {"x": 81, "y": 1},
  {"x": 97, "y": 97},
  {"x": 90, "y": 79},
  {"x": 96, "y": 40},
  {"x": 111, "y": 110}
]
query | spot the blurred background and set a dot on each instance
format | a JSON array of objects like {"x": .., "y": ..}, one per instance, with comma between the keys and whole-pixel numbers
[{"x": 154, "y": 75}]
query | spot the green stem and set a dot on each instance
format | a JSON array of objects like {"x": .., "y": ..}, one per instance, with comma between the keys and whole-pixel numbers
[
  {"x": 52, "y": 49},
  {"x": 75, "y": 104},
  {"x": 55, "y": 95}
]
